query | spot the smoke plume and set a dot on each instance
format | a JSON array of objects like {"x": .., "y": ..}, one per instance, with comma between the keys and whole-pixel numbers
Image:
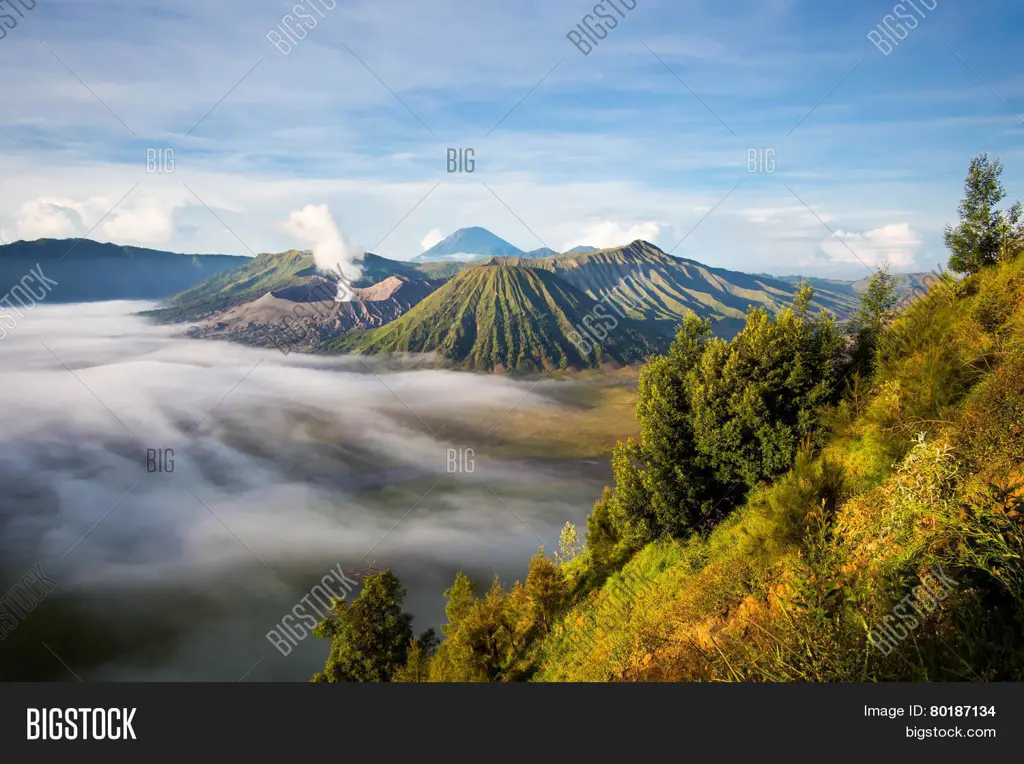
[{"x": 314, "y": 226}]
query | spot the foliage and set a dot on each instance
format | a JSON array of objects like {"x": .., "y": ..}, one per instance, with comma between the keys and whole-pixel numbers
[
  {"x": 570, "y": 545},
  {"x": 486, "y": 636},
  {"x": 920, "y": 479},
  {"x": 717, "y": 417},
  {"x": 547, "y": 589},
  {"x": 985, "y": 235},
  {"x": 370, "y": 638},
  {"x": 877, "y": 310}
]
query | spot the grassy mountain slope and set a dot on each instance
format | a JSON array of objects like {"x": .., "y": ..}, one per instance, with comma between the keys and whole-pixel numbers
[
  {"x": 917, "y": 499},
  {"x": 497, "y": 318},
  {"x": 652, "y": 285},
  {"x": 255, "y": 278},
  {"x": 87, "y": 270}
]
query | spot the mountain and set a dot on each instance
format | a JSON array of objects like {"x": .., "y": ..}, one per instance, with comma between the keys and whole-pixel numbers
[
  {"x": 906, "y": 283},
  {"x": 512, "y": 311},
  {"x": 304, "y": 315},
  {"x": 468, "y": 244},
  {"x": 267, "y": 273},
  {"x": 642, "y": 280},
  {"x": 833, "y": 285},
  {"x": 250, "y": 281},
  {"x": 377, "y": 268},
  {"x": 539, "y": 253},
  {"x": 504, "y": 318},
  {"x": 87, "y": 271},
  {"x": 580, "y": 250}
]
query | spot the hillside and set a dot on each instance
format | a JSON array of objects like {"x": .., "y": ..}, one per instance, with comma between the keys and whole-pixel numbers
[
  {"x": 305, "y": 315},
  {"x": 259, "y": 276},
  {"x": 501, "y": 318},
  {"x": 649, "y": 284},
  {"x": 917, "y": 497},
  {"x": 87, "y": 271}
]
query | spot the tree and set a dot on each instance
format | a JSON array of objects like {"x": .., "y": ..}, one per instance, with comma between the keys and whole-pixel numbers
[
  {"x": 602, "y": 537},
  {"x": 754, "y": 399},
  {"x": 985, "y": 234},
  {"x": 660, "y": 482},
  {"x": 417, "y": 662},
  {"x": 569, "y": 544},
  {"x": 460, "y": 601},
  {"x": 370, "y": 638},
  {"x": 877, "y": 309},
  {"x": 486, "y": 636},
  {"x": 547, "y": 587},
  {"x": 715, "y": 418}
]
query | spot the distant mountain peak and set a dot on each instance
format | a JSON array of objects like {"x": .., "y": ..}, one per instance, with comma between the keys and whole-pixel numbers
[
  {"x": 469, "y": 244},
  {"x": 537, "y": 254}
]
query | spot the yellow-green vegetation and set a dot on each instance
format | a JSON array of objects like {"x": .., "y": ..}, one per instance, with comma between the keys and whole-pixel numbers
[
  {"x": 921, "y": 480},
  {"x": 798, "y": 506}
]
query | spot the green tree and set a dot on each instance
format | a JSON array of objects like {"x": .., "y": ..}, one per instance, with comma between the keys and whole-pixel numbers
[
  {"x": 486, "y": 637},
  {"x": 985, "y": 234},
  {"x": 569, "y": 544},
  {"x": 715, "y": 418},
  {"x": 370, "y": 638},
  {"x": 547, "y": 588},
  {"x": 877, "y": 309},
  {"x": 602, "y": 537},
  {"x": 661, "y": 484},
  {"x": 754, "y": 399},
  {"x": 417, "y": 662},
  {"x": 461, "y": 597}
]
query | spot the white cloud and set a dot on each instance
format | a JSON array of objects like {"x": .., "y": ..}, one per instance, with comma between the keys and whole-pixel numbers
[
  {"x": 48, "y": 219},
  {"x": 432, "y": 238},
  {"x": 148, "y": 222},
  {"x": 895, "y": 244},
  {"x": 611, "y": 234}
]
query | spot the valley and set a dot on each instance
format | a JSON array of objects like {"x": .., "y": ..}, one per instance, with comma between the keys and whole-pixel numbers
[{"x": 309, "y": 463}]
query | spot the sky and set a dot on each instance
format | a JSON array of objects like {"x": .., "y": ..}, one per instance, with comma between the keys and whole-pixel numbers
[{"x": 202, "y": 127}]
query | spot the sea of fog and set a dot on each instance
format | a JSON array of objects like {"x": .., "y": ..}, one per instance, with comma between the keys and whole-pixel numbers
[{"x": 284, "y": 467}]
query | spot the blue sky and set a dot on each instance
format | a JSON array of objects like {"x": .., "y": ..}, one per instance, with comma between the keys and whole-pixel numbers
[{"x": 646, "y": 137}]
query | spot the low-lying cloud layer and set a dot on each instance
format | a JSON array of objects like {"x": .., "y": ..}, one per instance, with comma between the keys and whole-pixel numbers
[{"x": 283, "y": 467}]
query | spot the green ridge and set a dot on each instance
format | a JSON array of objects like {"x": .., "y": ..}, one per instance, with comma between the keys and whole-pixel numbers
[{"x": 505, "y": 318}]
